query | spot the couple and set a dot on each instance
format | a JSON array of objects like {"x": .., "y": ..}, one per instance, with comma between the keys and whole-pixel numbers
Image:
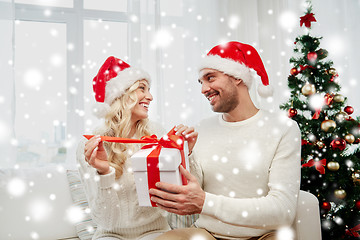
[{"x": 244, "y": 165}]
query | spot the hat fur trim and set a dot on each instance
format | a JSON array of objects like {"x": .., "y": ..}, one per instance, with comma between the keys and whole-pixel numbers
[
  {"x": 117, "y": 86},
  {"x": 229, "y": 67}
]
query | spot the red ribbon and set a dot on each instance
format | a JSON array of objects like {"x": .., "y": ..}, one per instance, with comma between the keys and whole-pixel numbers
[
  {"x": 327, "y": 100},
  {"x": 353, "y": 231},
  {"x": 307, "y": 19},
  {"x": 319, "y": 165},
  {"x": 168, "y": 141}
]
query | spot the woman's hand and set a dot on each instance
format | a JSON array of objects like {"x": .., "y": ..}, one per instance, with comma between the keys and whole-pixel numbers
[
  {"x": 96, "y": 156},
  {"x": 188, "y": 133}
]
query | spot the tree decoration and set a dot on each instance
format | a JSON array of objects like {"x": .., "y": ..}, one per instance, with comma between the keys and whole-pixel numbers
[
  {"x": 328, "y": 125},
  {"x": 340, "y": 193},
  {"x": 326, "y": 206},
  {"x": 349, "y": 138},
  {"x": 319, "y": 165},
  {"x": 357, "y": 204},
  {"x": 334, "y": 77},
  {"x": 341, "y": 116},
  {"x": 332, "y": 71},
  {"x": 349, "y": 110},
  {"x": 307, "y": 19},
  {"x": 330, "y": 144},
  {"x": 292, "y": 112},
  {"x": 321, "y": 53},
  {"x": 356, "y": 177},
  {"x": 312, "y": 56},
  {"x": 294, "y": 71},
  {"x": 338, "y": 144},
  {"x": 339, "y": 98},
  {"x": 333, "y": 166},
  {"x": 308, "y": 89},
  {"x": 320, "y": 144}
]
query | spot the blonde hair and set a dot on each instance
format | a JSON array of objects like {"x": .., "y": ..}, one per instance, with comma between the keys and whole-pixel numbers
[{"x": 118, "y": 124}]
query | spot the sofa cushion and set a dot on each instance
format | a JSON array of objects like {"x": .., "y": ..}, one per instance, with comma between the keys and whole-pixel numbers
[
  {"x": 85, "y": 226},
  {"x": 34, "y": 204}
]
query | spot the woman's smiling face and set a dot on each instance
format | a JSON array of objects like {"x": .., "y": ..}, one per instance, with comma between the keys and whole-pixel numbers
[{"x": 140, "y": 110}]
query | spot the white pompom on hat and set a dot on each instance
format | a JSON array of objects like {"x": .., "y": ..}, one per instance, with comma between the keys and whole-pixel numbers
[
  {"x": 236, "y": 59},
  {"x": 113, "y": 79}
]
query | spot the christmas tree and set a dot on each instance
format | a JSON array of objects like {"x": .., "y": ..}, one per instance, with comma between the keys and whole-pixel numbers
[{"x": 330, "y": 136}]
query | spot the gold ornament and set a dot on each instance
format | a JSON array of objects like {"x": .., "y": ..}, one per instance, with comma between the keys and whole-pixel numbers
[
  {"x": 328, "y": 125},
  {"x": 341, "y": 116},
  {"x": 340, "y": 193},
  {"x": 339, "y": 98},
  {"x": 320, "y": 144},
  {"x": 308, "y": 89},
  {"x": 332, "y": 71},
  {"x": 333, "y": 166},
  {"x": 356, "y": 177},
  {"x": 349, "y": 138}
]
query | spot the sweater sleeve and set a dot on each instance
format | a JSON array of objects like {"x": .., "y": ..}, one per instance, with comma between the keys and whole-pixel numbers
[
  {"x": 278, "y": 207},
  {"x": 100, "y": 190}
]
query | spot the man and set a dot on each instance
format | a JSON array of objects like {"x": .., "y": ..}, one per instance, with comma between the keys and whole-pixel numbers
[{"x": 249, "y": 159}]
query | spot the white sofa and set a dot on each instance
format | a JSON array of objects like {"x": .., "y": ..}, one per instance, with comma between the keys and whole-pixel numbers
[{"x": 38, "y": 203}]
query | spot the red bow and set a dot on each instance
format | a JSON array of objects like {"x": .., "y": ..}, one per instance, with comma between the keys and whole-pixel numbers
[
  {"x": 327, "y": 100},
  {"x": 319, "y": 165},
  {"x": 307, "y": 19},
  {"x": 353, "y": 231},
  {"x": 302, "y": 67}
]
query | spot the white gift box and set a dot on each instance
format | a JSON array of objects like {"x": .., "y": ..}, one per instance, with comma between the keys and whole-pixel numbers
[{"x": 169, "y": 162}]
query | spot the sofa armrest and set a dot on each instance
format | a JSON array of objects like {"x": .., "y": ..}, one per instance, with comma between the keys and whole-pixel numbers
[
  {"x": 307, "y": 221},
  {"x": 41, "y": 209}
]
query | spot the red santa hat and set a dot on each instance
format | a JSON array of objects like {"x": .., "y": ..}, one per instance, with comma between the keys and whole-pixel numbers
[
  {"x": 237, "y": 59},
  {"x": 113, "y": 79}
]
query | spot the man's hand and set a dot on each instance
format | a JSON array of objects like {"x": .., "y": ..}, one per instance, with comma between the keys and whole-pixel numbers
[
  {"x": 182, "y": 200},
  {"x": 188, "y": 133}
]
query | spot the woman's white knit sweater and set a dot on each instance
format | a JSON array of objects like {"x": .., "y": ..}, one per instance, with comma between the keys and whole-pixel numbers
[
  {"x": 250, "y": 173},
  {"x": 114, "y": 204}
]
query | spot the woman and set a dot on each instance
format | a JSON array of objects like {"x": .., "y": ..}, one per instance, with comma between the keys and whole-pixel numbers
[{"x": 123, "y": 97}]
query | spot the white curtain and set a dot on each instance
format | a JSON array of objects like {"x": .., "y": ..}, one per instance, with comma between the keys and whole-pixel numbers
[
  {"x": 7, "y": 97},
  {"x": 185, "y": 30}
]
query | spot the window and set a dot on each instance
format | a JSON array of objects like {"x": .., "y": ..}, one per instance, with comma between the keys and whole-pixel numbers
[
  {"x": 59, "y": 47},
  {"x": 41, "y": 98}
]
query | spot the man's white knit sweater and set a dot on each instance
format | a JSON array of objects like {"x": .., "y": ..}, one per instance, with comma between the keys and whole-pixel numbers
[
  {"x": 250, "y": 171},
  {"x": 114, "y": 204}
]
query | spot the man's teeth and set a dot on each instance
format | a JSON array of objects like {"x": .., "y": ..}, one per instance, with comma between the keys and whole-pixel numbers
[
  {"x": 210, "y": 98},
  {"x": 144, "y": 105}
]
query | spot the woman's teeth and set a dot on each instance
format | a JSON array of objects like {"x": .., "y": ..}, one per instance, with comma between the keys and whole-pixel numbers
[{"x": 144, "y": 105}]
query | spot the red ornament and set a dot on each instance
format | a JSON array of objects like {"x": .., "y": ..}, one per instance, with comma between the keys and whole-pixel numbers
[
  {"x": 338, "y": 143},
  {"x": 357, "y": 204},
  {"x": 312, "y": 56},
  {"x": 349, "y": 110},
  {"x": 357, "y": 141},
  {"x": 294, "y": 71},
  {"x": 326, "y": 206},
  {"x": 292, "y": 112}
]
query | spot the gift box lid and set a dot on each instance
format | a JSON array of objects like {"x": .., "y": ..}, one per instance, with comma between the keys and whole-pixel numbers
[{"x": 169, "y": 159}]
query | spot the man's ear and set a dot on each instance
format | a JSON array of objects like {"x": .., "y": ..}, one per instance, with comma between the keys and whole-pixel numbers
[{"x": 237, "y": 81}]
